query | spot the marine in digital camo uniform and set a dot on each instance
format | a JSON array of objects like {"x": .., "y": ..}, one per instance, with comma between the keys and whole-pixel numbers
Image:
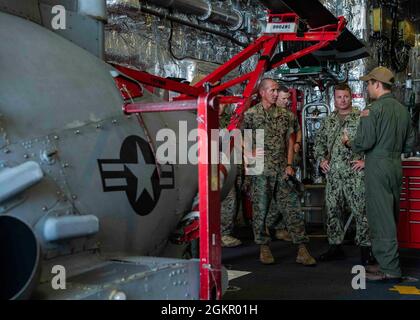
[
  {"x": 270, "y": 192},
  {"x": 345, "y": 177},
  {"x": 283, "y": 101}
]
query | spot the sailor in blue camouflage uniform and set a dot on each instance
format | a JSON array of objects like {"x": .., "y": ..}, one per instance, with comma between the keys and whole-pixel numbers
[{"x": 345, "y": 177}]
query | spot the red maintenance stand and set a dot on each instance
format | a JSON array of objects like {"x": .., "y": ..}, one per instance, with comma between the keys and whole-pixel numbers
[{"x": 280, "y": 27}]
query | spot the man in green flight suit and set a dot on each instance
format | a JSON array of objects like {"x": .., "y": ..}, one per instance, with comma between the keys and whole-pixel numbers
[
  {"x": 270, "y": 190},
  {"x": 384, "y": 133},
  {"x": 344, "y": 171}
]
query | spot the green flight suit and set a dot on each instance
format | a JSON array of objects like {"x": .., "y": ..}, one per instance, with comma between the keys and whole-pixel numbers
[{"x": 383, "y": 135}]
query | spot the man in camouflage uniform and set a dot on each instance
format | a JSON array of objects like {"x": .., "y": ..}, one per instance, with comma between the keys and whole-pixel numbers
[
  {"x": 284, "y": 102},
  {"x": 345, "y": 176},
  {"x": 296, "y": 132},
  {"x": 270, "y": 190},
  {"x": 384, "y": 133},
  {"x": 229, "y": 206}
]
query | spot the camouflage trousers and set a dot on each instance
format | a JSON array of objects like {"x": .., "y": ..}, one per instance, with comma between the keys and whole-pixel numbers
[
  {"x": 229, "y": 208},
  {"x": 342, "y": 190},
  {"x": 272, "y": 199},
  {"x": 297, "y": 159}
]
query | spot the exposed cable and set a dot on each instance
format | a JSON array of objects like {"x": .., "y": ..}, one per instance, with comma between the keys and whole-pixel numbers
[
  {"x": 170, "y": 46},
  {"x": 192, "y": 25}
]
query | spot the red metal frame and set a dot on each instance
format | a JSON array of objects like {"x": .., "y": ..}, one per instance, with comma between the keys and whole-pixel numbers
[
  {"x": 265, "y": 45},
  {"x": 209, "y": 195},
  {"x": 160, "y": 106},
  {"x": 158, "y": 82},
  {"x": 210, "y": 250}
]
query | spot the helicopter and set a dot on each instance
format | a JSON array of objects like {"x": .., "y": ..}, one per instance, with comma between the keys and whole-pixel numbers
[{"x": 86, "y": 209}]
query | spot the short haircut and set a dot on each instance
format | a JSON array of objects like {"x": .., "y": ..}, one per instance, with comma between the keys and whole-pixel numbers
[
  {"x": 263, "y": 83},
  {"x": 386, "y": 86},
  {"x": 343, "y": 87},
  {"x": 283, "y": 88}
]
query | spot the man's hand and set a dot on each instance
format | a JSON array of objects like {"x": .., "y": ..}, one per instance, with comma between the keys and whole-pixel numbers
[
  {"x": 289, "y": 171},
  {"x": 325, "y": 166},
  {"x": 296, "y": 147},
  {"x": 364, "y": 113},
  {"x": 358, "y": 165},
  {"x": 345, "y": 139}
]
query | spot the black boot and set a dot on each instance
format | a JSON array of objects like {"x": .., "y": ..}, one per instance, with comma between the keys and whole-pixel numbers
[
  {"x": 335, "y": 252},
  {"x": 366, "y": 256}
]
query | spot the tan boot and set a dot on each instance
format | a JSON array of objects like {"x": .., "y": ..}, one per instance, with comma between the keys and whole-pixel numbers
[
  {"x": 283, "y": 235},
  {"x": 265, "y": 255},
  {"x": 230, "y": 242},
  {"x": 304, "y": 257}
]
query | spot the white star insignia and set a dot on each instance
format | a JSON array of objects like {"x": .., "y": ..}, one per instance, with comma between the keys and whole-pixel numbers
[{"x": 143, "y": 172}]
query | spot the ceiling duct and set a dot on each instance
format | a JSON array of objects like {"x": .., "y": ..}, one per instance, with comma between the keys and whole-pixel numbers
[{"x": 204, "y": 11}]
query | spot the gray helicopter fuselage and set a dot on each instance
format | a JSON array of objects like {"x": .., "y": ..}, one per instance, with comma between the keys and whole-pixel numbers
[{"x": 85, "y": 179}]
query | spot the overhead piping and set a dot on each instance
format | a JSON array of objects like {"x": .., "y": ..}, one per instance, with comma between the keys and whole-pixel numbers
[
  {"x": 132, "y": 12},
  {"x": 204, "y": 11}
]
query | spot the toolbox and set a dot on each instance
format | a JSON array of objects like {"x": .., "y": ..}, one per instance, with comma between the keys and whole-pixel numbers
[{"x": 409, "y": 221}]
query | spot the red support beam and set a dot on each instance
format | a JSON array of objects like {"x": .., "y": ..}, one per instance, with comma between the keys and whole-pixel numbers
[
  {"x": 310, "y": 36},
  {"x": 254, "y": 78},
  {"x": 261, "y": 67},
  {"x": 137, "y": 107},
  {"x": 231, "y": 83},
  {"x": 209, "y": 195},
  {"x": 237, "y": 117},
  {"x": 158, "y": 82},
  {"x": 235, "y": 62},
  {"x": 230, "y": 99}
]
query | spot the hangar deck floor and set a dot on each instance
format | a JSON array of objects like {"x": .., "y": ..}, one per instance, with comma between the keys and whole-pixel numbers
[{"x": 328, "y": 280}]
